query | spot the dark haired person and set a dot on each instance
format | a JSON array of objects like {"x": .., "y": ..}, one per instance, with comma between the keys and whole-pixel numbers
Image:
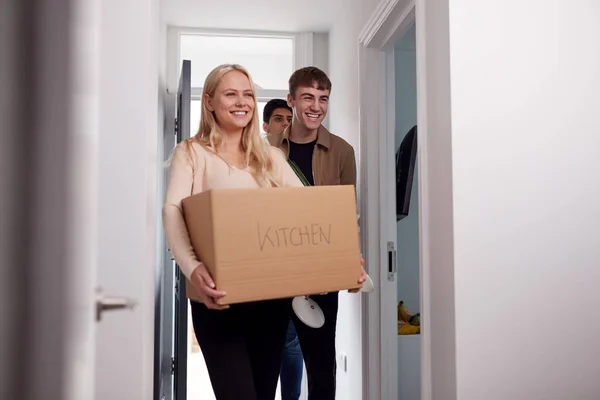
[
  {"x": 324, "y": 159},
  {"x": 277, "y": 115}
]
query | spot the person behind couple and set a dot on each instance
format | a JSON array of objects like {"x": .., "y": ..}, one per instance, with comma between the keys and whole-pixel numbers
[
  {"x": 324, "y": 159},
  {"x": 277, "y": 116},
  {"x": 242, "y": 344}
]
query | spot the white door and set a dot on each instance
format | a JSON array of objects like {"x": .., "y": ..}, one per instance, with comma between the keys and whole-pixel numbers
[
  {"x": 78, "y": 198},
  {"x": 114, "y": 197},
  {"x": 128, "y": 196},
  {"x": 83, "y": 232}
]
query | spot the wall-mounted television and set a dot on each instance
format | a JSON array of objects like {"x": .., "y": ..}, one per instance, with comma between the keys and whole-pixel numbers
[{"x": 406, "y": 156}]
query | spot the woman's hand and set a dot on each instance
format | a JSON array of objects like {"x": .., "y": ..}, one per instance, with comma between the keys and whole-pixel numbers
[
  {"x": 204, "y": 285},
  {"x": 363, "y": 276}
]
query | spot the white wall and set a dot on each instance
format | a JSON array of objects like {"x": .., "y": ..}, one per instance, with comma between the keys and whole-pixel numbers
[
  {"x": 127, "y": 183},
  {"x": 435, "y": 179},
  {"x": 321, "y": 58},
  {"x": 526, "y": 160},
  {"x": 161, "y": 126},
  {"x": 321, "y": 51},
  {"x": 343, "y": 68},
  {"x": 344, "y": 122},
  {"x": 161, "y": 121}
]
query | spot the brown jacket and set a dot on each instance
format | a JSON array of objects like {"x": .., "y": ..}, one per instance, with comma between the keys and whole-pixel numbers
[{"x": 333, "y": 161}]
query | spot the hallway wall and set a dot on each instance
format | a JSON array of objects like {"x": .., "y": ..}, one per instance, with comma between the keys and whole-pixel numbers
[
  {"x": 344, "y": 122},
  {"x": 513, "y": 187},
  {"x": 525, "y": 148}
]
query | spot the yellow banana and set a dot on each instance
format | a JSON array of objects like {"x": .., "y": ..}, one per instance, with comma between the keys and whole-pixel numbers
[
  {"x": 408, "y": 329},
  {"x": 404, "y": 313}
]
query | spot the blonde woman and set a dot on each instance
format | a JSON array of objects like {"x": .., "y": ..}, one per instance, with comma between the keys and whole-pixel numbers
[{"x": 242, "y": 344}]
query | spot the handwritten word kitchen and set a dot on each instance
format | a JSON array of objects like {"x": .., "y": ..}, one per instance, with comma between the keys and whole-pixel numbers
[{"x": 308, "y": 235}]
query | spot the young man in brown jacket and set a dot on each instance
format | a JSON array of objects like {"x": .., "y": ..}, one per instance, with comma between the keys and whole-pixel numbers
[{"x": 324, "y": 159}]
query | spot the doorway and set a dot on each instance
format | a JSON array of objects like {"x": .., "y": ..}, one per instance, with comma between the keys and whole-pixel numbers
[
  {"x": 407, "y": 217},
  {"x": 192, "y": 53},
  {"x": 391, "y": 85},
  {"x": 437, "y": 347}
]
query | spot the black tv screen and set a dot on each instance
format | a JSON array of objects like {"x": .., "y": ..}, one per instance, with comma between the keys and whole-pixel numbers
[{"x": 406, "y": 156}]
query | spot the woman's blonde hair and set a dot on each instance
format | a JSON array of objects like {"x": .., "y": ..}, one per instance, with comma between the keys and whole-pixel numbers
[{"x": 258, "y": 156}]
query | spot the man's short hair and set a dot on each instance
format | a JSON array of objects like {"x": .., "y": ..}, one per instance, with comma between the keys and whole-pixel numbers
[
  {"x": 273, "y": 105},
  {"x": 309, "y": 77}
]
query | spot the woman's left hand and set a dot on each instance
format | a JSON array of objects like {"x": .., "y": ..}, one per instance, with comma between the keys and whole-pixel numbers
[{"x": 363, "y": 276}]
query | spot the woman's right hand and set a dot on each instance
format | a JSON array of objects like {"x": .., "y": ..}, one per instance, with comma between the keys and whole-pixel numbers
[{"x": 204, "y": 285}]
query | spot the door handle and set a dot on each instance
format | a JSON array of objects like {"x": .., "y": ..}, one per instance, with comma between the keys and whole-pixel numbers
[{"x": 112, "y": 304}]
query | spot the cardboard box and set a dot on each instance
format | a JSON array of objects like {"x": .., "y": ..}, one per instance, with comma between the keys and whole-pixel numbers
[{"x": 273, "y": 243}]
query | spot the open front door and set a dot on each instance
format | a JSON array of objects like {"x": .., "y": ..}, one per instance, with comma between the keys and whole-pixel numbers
[
  {"x": 182, "y": 132},
  {"x": 171, "y": 342}
]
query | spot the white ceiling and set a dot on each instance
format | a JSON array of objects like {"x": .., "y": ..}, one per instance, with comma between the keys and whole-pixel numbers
[{"x": 265, "y": 15}]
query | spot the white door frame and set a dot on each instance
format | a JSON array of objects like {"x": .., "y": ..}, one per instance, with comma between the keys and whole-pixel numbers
[{"x": 389, "y": 22}]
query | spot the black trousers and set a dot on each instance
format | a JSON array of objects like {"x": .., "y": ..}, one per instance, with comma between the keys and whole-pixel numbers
[
  {"x": 318, "y": 348},
  {"x": 242, "y": 347}
]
